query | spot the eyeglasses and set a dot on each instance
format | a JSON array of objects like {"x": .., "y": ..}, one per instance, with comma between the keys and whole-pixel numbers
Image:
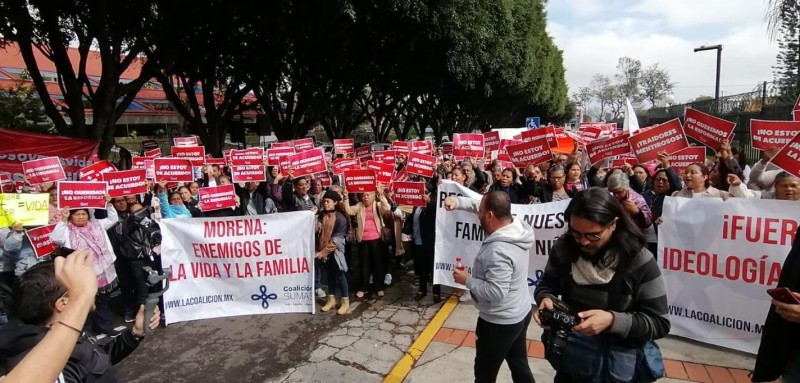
[
  {"x": 591, "y": 237},
  {"x": 660, "y": 180}
]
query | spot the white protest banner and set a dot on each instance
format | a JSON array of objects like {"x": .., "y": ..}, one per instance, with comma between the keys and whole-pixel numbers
[
  {"x": 232, "y": 266},
  {"x": 718, "y": 259},
  {"x": 459, "y": 234}
]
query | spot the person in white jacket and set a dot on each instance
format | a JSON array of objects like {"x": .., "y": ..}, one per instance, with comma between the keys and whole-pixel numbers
[
  {"x": 76, "y": 230},
  {"x": 786, "y": 187}
]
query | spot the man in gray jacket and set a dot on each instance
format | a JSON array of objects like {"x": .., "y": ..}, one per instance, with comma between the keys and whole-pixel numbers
[{"x": 499, "y": 287}]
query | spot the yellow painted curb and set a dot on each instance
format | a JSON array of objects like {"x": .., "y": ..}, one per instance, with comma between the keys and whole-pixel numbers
[{"x": 403, "y": 367}]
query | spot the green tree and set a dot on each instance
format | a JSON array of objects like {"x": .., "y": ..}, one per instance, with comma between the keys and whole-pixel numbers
[
  {"x": 655, "y": 83},
  {"x": 21, "y": 109},
  {"x": 115, "y": 33},
  {"x": 787, "y": 70}
]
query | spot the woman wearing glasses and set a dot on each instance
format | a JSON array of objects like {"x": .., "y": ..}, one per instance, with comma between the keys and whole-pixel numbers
[
  {"x": 604, "y": 274},
  {"x": 665, "y": 182},
  {"x": 552, "y": 191}
]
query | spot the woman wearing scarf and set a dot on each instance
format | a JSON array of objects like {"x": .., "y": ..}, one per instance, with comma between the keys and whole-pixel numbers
[
  {"x": 333, "y": 231},
  {"x": 78, "y": 232}
]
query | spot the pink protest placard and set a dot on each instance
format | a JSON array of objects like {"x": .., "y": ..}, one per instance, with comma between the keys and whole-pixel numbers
[
  {"x": 343, "y": 145},
  {"x": 303, "y": 144},
  {"x": 681, "y": 159},
  {"x": 383, "y": 171},
  {"x": 126, "y": 182},
  {"x": 95, "y": 171},
  {"x": 79, "y": 194},
  {"x": 707, "y": 129},
  {"x": 491, "y": 140},
  {"x": 217, "y": 197},
  {"x": 196, "y": 154},
  {"x": 409, "y": 193},
  {"x": 667, "y": 137},
  {"x": 531, "y": 152},
  {"x": 308, "y": 162},
  {"x": 360, "y": 181},
  {"x": 421, "y": 164},
  {"x": 249, "y": 156},
  {"x": 599, "y": 150},
  {"x": 248, "y": 173},
  {"x": 173, "y": 169},
  {"x": 342, "y": 164},
  {"x": 766, "y": 135},
  {"x": 468, "y": 145},
  {"x": 40, "y": 240},
  {"x": 274, "y": 154},
  {"x": 43, "y": 170},
  {"x": 185, "y": 141}
]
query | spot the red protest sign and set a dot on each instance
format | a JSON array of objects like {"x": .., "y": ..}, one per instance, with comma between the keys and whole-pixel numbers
[
  {"x": 788, "y": 158},
  {"x": 185, "y": 141},
  {"x": 531, "y": 152},
  {"x": 284, "y": 165},
  {"x": 196, "y": 154},
  {"x": 383, "y": 171},
  {"x": 601, "y": 149},
  {"x": 274, "y": 155},
  {"x": 248, "y": 173},
  {"x": 138, "y": 162},
  {"x": 667, "y": 137},
  {"x": 173, "y": 169},
  {"x": 43, "y": 170},
  {"x": 468, "y": 144},
  {"x": 533, "y": 135},
  {"x": 95, "y": 171},
  {"x": 360, "y": 181},
  {"x": 590, "y": 133},
  {"x": 308, "y": 162},
  {"x": 422, "y": 147},
  {"x": 421, "y": 164},
  {"x": 409, "y": 193},
  {"x": 364, "y": 153},
  {"x": 303, "y": 144},
  {"x": 126, "y": 182},
  {"x": 492, "y": 140},
  {"x": 342, "y": 164},
  {"x": 250, "y": 156},
  {"x": 40, "y": 240},
  {"x": 343, "y": 145},
  {"x": 401, "y": 146},
  {"x": 681, "y": 159},
  {"x": 766, "y": 135},
  {"x": 324, "y": 179},
  {"x": 74, "y": 194},
  {"x": 796, "y": 114},
  {"x": 707, "y": 129},
  {"x": 217, "y": 197},
  {"x": 447, "y": 148},
  {"x": 216, "y": 161},
  {"x": 504, "y": 143},
  {"x": 385, "y": 156},
  {"x": 150, "y": 169},
  {"x": 153, "y": 153},
  {"x": 281, "y": 144}
]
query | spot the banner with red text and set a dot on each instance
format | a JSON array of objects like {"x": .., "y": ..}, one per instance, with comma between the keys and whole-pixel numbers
[
  {"x": 718, "y": 259},
  {"x": 459, "y": 233},
  {"x": 78, "y": 194},
  {"x": 360, "y": 181},
  {"x": 17, "y": 147},
  {"x": 196, "y": 154},
  {"x": 788, "y": 158},
  {"x": 409, "y": 193},
  {"x": 308, "y": 162},
  {"x": 707, "y": 129},
  {"x": 601, "y": 149},
  {"x": 468, "y": 144},
  {"x": 667, "y": 137},
  {"x": 421, "y": 164},
  {"x": 44, "y": 170},
  {"x": 217, "y": 197},
  {"x": 126, "y": 182},
  {"x": 173, "y": 170},
  {"x": 765, "y": 135},
  {"x": 249, "y": 156},
  {"x": 95, "y": 171},
  {"x": 532, "y": 152},
  {"x": 233, "y": 266}
]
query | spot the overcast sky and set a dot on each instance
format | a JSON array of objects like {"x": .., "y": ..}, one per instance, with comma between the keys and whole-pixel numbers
[{"x": 594, "y": 33}]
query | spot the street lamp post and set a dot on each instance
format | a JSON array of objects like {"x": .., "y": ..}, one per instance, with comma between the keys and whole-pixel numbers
[{"x": 718, "y": 48}]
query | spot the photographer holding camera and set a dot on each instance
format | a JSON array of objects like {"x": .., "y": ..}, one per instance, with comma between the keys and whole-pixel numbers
[
  {"x": 613, "y": 299},
  {"x": 50, "y": 301}
]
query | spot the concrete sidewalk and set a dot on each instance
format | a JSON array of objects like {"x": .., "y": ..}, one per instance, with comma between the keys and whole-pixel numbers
[{"x": 449, "y": 355}]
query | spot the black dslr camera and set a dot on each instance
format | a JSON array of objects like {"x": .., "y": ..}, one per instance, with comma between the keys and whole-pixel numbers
[{"x": 561, "y": 320}]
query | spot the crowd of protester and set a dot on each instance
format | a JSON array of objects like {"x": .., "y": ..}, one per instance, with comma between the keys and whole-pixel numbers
[{"x": 363, "y": 239}]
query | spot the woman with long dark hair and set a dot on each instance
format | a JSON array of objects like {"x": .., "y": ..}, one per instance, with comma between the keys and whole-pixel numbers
[
  {"x": 333, "y": 231},
  {"x": 697, "y": 181},
  {"x": 607, "y": 277},
  {"x": 509, "y": 185},
  {"x": 554, "y": 189}
]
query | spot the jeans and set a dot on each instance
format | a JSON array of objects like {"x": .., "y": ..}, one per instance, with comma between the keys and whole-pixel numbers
[
  {"x": 337, "y": 277},
  {"x": 371, "y": 255},
  {"x": 497, "y": 342},
  {"x": 791, "y": 373}
]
